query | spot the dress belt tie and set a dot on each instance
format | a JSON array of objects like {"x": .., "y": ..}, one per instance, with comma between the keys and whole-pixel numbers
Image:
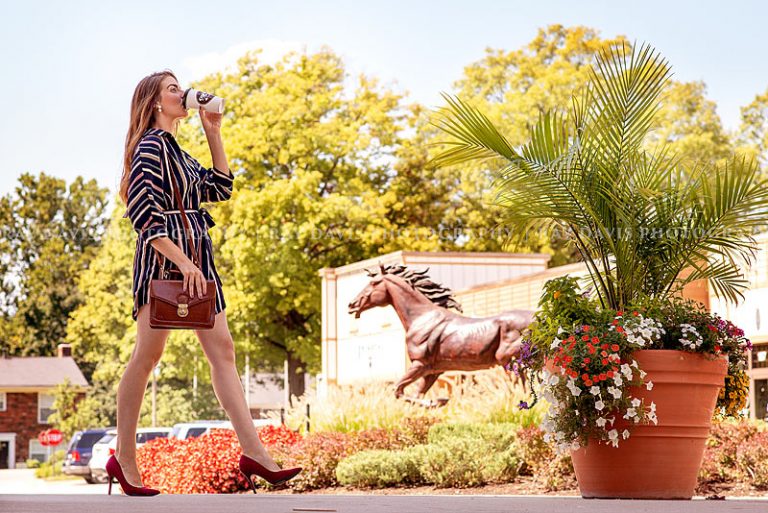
[{"x": 203, "y": 212}]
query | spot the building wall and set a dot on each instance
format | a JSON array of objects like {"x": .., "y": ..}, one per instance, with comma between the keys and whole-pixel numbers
[
  {"x": 751, "y": 315},
  {"x": 20, "y": 417}
]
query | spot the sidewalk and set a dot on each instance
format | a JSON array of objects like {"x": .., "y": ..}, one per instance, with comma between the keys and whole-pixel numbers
[{"x": 240, "y": 503}]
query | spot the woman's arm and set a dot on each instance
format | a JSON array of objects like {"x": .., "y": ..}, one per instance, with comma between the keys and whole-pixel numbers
[
  {"x": 193, "y": 276},
  {"x": 212, "y": 128}
]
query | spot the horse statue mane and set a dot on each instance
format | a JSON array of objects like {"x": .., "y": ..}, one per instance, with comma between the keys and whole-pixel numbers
[{"x": 419, "y": 280}]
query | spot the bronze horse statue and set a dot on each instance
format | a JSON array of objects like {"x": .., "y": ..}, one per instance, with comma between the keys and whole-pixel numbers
[{"x": 437, "y": 338}]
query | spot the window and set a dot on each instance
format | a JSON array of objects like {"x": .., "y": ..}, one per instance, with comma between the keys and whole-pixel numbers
[
  {"x": 44, "y": 407},
  {"x": 142, "y": 438},
  {"x": 195, "y": 432},
  {"x": 3, "y": 404},
  {"x": 37, "y": 451}
]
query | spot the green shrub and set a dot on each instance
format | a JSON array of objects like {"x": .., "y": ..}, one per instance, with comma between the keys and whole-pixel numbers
[
  {"x": 457, "y": 455},
  {"x": 320, "y": 453},
  {"x": 467, "y": 461},
  {"x": 380, "y": 468},
  {"x": 497, "y": 436},
  {"x": 33, "y": 463},
  {"x": 53, "y": 466}
]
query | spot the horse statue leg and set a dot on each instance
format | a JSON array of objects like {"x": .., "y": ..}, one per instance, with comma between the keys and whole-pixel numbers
[
  {"x": 427, "y": 382},
  {"x": 416, "y": 371}
]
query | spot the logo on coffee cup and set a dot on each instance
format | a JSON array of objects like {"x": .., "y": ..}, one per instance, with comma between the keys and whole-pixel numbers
[{"x": 203, "y": 98}]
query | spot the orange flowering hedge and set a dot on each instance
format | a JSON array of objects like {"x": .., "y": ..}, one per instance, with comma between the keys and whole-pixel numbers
[{"x": 206, "y": 464}]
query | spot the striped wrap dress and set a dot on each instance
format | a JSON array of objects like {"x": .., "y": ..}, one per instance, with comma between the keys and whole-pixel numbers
[{"x": 154, "y": 212}]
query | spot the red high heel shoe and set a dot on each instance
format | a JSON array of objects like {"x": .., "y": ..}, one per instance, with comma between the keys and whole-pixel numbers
[
  {"x": 114, "y": 470},
  {"x": 249, "y": 466}
]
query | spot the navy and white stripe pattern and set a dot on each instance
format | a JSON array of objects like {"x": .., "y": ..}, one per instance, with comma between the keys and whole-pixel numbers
[{"x": 153, "y": 210}]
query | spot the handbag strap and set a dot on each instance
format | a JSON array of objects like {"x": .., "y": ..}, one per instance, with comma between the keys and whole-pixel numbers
[{"x": 197, "y": 256}]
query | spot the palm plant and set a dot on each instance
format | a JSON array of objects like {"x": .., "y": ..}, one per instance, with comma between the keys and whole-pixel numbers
[{"x": 646, "y": 222}]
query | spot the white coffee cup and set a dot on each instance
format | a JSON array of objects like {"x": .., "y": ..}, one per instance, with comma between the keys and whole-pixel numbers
[{"x": 194, "y": 99}]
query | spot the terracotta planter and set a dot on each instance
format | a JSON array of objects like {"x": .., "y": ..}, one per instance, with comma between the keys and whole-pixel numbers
[{"x": 658, "y": 461}]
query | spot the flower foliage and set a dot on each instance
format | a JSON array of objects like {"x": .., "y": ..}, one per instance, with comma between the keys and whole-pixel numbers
[{"x": 205, "y": 464}]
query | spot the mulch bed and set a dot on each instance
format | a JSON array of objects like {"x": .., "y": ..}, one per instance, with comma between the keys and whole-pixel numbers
[{"x": 524, "y": 485}]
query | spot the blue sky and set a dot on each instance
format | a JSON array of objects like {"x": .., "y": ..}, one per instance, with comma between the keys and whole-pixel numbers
[{"x": 69, "y": 68}]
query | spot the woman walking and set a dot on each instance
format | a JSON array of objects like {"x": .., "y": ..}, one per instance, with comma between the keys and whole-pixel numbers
[{"x": 151, "y": 155}]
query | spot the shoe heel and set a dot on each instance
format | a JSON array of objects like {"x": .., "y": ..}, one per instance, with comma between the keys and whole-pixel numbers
[
  {"x": 250, "y": 481},
  {"x": 109, "y": 490}
]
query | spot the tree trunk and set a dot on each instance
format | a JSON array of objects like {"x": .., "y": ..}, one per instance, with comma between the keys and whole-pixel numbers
[{"x": 295, "y": 377}]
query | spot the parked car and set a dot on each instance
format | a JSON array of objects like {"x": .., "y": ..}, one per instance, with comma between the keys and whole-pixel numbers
[
  {"x": 105, "y": 447},
  {"x": 79, "y": 453},
  {"x": 256, "y": 422},
  {"x": 184, "y": 430}
]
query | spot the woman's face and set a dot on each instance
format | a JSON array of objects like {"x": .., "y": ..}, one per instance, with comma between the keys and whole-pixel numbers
[{"x": 170, "y": 98}]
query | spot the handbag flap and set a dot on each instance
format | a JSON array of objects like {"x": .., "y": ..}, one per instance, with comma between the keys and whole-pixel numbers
[{"x": 171, "y": 292}]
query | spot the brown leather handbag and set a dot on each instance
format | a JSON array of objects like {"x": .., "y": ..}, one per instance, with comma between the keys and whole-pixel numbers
[{"x": 170, "y": 306}]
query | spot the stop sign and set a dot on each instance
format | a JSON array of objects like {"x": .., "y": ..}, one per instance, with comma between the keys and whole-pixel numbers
[{"x": 50, "y": 437}]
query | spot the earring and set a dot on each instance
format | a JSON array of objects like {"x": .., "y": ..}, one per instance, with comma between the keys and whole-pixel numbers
[{"x": 159, "y": 108}]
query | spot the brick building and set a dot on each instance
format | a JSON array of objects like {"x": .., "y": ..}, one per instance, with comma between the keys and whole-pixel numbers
[{"x": 26, "y": 400}]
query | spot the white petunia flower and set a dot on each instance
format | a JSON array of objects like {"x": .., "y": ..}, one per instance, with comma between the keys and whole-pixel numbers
[
  {"x": 617, "y": 380},
  {"x": 599, "y": 405},
  {"x": 635, "y": 402},
  {"x": 555, "y": 343},
  {"x": 575, "y": 391},
  {"x": 594, "y": 390},
  {"x": 649, "y": 385},
  {"x": 600, "y": 422},
  {"x": 625, "y": 434},
  {"x": 642, "y": 374},
  {"x": 613, "y": 435}
]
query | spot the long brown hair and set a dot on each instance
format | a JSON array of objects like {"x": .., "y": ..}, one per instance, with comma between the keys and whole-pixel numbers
[{"x": 145, "y": 95}]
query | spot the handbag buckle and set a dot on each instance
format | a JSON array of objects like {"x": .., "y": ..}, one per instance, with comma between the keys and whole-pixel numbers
[{"x": 182, "y": 310}]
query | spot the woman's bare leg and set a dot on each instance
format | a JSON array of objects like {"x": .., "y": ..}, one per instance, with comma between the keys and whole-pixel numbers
[
  {"x": 219, "y": 349},
  {"x": 130, "y": 393}
]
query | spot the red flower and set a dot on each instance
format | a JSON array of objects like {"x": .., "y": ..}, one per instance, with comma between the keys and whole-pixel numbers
[
  {"x": 615, "y": 347},
  {"x": 609, "y": 374},
  {"x": 619, "y": 329},
  {"x": 587, "y": 360},
  {"x": 595, "y": 340},
  {"x": 585, "y": 337},
  {"x": 588, "y": 383},
  {"x": 586, "y": 329},
  {"x": 605, "y": 361},
  {"x": 602, "y": 376}
]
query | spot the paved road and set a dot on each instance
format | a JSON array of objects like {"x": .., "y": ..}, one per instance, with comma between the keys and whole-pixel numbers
[
  {"x": 357, "y": 504},
  {"x": 23, "y": 481},
  {"x": 20, "y": 492}
]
